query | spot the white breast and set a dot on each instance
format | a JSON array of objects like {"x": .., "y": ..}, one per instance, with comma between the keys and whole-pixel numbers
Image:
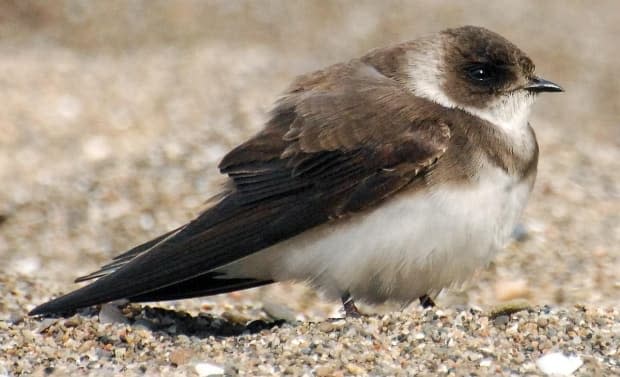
[{"x": 411, "y": 245}]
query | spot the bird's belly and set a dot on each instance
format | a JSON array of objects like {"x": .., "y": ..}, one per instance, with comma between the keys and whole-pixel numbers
[{"x": 413, "y": 244}]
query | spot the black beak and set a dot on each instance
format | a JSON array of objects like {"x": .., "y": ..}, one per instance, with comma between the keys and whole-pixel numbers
[{"x": 538, "y": 85}]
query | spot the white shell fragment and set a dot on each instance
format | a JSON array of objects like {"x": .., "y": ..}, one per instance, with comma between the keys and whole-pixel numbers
[
  {"x": 558, "y": 364},
  {"x": 204, "y": 369}
]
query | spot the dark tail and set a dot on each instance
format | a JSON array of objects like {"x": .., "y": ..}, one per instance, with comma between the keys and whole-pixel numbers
[{"x": 205, "y": 285}]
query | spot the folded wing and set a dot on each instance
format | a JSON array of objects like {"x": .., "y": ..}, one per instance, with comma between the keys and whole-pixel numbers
[{"x": 327, "y": 152}]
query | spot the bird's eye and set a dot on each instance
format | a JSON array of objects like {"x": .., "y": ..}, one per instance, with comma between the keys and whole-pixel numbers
[{"x": 480, "y": 73}]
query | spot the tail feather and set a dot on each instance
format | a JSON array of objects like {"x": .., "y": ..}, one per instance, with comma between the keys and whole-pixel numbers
[
  {"x": 205, "y": 285},
  {"x": 126, "y": 257}
]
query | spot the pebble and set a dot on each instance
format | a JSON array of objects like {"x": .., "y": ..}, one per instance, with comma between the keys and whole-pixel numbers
[
  {"x": 506, "y": 290},
  {"x": 119, "y": 353},
  {"x": 412, "y": 342},
  {"x": 45, "y": 324},
  {"x": 329, "y": 326},
  {"x": 559, "y": 364},
  {"x": 279, "y": 311},
  {"x": 204, "y": 369},
  {"x": 501, "y": 320},
  {"x": 181, "y": 356},
  {"x": 520, "y": 233},
  {"x": 323, "y": 371},
  {"x": 73, "y": 321},
  {"x": 110, "y": 313},
  {"x": 96, "y": 148},
  {"x": 355, "y": 369},
  {"x": 26, "y": 265}
]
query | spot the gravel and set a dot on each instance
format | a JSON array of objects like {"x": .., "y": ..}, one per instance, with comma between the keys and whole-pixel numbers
[
  {"x": 114, "y": 117},
  {"x": 419, "y": 342}
]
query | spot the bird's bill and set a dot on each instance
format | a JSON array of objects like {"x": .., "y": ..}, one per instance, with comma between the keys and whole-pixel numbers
[{"x": 538, "y": 85}]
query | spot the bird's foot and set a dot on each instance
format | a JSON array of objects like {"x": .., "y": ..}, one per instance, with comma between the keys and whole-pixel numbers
[
  {"x": 426, "y": 301},
  {"x": 350, "y": 310}
]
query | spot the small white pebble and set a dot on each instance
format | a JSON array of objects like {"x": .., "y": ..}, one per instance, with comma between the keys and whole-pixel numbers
[
  {"x": 146, "y": 221},
  {"x": 119, "y": 353},
  {"x": 69, "y": 107},
  {"x": 297, "y": 341},
  {"x": 486, "y": 362},
  {"x": 27, "y": 265},
  {"x": 207, "y": 369},
  {"x": 514, "y": 329},
  {"x": 96, "y": 148},
  {"x": 558, "y": 364},
  {"x": 110, "y": 313},
  {"x": 4, "y": 372},
  {"x": 506, "y": 290}
]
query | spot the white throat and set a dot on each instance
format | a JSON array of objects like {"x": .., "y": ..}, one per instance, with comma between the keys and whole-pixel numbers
[{"x": 510, "y": 113}]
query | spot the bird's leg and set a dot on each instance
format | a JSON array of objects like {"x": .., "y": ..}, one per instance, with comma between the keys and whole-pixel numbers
[
  {"x": 426, "y": 301},
  {"x": 350, "y": 310}
]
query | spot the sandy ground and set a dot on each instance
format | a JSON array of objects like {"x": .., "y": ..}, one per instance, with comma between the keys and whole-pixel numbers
[{"x": 114, "y": 115}]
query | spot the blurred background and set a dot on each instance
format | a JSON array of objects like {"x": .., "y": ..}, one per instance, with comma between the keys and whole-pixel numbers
[{"x": 114, "y": 115}]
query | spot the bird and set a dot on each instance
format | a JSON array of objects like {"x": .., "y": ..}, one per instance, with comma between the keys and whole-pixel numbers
[{"x": 389, "y": 177}]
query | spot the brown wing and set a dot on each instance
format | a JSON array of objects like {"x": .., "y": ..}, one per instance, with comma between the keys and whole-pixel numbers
[
  {"x": 367, "y": 128},
  {"x": 339, "y": 141}
]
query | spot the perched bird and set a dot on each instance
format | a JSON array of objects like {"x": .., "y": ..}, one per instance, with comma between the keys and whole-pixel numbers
[{"x": 388, "y": 177}]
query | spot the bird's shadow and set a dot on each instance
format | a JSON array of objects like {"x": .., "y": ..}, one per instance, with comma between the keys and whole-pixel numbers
[
  {"x": 203, "y": 325},
  {"x": 175, "y": 323}
]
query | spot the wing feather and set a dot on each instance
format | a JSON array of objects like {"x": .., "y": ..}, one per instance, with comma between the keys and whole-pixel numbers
[{"x": 328, "y": 151}]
